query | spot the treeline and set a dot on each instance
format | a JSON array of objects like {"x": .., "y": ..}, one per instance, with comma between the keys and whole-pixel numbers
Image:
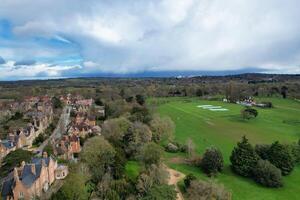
[{"x": 236, "y": 87}]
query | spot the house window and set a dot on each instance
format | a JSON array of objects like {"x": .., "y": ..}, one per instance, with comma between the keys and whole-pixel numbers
[
  {"x": 63, "y": 174},
  {"x": 21, "y": 195}
]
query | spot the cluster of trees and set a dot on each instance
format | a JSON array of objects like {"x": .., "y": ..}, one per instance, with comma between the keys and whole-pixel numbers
[
  {"x": 266, "y": 164},
  {"x": 14, "y": 159}
]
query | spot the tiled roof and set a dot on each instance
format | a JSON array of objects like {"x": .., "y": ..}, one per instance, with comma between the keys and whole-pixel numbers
[
  {"x": 7, "y": 187},
  {"x": 27, "y": 177},
  {"x": 8, "y": 144}
]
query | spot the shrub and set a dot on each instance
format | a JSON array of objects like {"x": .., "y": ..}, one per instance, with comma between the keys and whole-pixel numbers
[
  {"x": 172, "y": 148},
  {"x": 262, "y": 150},
  {"x": 162, "y": 128},
  {"x": 188, "y": 179},
  {"x": 151, "y": 154},
  {"x": 243, "y": 158},
  {"x": 268, "y": 104},
  {"x": 281, "y": 156},
  {"x": 267, "y": 174},
  {"x": 207, "y": 190},
  {"x": 165, "y": 192},
  {"x": 212, "y": 161},
  {"x": 181, "y": 147},
  {"x": 140, "y": 99},
  {"x": 295, "y": 150},
  {"x": 184, "y": 148},
  {"x": 195, "y": 160},
  {"x": 249, "y": 113}
]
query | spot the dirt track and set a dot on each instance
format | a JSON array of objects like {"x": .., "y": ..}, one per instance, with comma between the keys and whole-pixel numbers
[{"x": 175, "y": 177}]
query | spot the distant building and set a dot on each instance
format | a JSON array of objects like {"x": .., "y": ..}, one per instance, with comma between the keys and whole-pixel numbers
[{"x": 100, "y": 111}]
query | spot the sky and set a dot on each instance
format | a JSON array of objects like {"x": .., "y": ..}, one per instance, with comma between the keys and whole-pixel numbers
[{"x": 79, "y": 38}]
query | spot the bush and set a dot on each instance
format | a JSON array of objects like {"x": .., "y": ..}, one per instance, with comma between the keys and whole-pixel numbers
[
  {"x": 188, "y": 179},
  {"x": 151, "y": 154},
  {"x": 162, "y": 128},
  {"x": 243, "y": 158},
  {"x": 163, "y": 192},
  {"x": 172, "y": 148},
  {"x": 268, "y": 104},
  {"x": 249, "y": 113},
  {"x": 262, "y": 150},
  {"x": 207, "y": 190},
  {"x": 295, "y": 150},
  {"x": 212, "y": 161},
  {"x": 281, "y": 156},
  {"x": 140, "y": 99},
  {"x": 267, "y": 174}
]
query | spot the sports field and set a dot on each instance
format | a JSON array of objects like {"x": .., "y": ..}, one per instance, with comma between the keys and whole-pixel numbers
[{"x": 224, "y": 128}]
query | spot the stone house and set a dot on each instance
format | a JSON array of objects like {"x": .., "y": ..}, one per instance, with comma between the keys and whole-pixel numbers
[
  {"x": 100, "y": 111},
  {"x": 61, "y": 172},
  {"x": 81, "y": 130},
  {"x": 32, "y": 179},
  {"x": 83, "y": 105},
  {"x": 67, "y": 146},
  {"x": 24, "y": 136},
  {"x": 6, "y": 146}
]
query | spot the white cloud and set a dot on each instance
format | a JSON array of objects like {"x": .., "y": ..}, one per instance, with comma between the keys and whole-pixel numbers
[
  {"x": 37, "y": 70},
  {"x": 133, "y": 36}
]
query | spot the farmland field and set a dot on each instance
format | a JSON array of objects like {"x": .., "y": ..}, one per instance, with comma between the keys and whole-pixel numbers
[{"x": 224, "y": 129}]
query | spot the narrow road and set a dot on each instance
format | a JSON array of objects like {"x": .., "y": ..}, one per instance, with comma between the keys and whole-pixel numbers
[{"x": 61, "y": 127}]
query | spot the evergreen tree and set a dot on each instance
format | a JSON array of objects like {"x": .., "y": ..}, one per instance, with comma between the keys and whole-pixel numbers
[
  {"x": 243, "y": 158},
  {"x": 267, "y": 174},
  {"x": 212, "y": 161},
  {"x": 281, "y": 156}
]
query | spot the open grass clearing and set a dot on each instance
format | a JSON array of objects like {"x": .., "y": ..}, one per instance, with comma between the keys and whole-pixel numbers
[{"x": 279, "y": 123}]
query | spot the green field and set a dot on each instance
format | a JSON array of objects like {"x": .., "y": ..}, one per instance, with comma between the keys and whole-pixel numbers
[{"x": 224, "y": 129}]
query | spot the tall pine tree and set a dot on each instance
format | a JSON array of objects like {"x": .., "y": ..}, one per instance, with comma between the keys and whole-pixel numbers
[
  {"x": 243, "y": 158},
  {"x": 281, "y": 156}
]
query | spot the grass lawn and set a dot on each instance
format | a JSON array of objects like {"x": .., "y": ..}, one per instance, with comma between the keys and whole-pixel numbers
[{"x": 224, "y": 128}]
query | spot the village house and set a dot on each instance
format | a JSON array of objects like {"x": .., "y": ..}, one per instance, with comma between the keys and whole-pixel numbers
[
  {"x": 99, "y": 111},
  {"x": 81, "y": 130},
  {"x": 84, "y": 118},
  {"x": 83, "y": 125},
  {"x": 67, "y": 146},
  {"x": 83, "y": 105},
  {"x": 31, "y": 180},
  {"x": 24, "y": 136},
  {"x": 6, "y": 146},
  {"x": 67, "y": 100}
]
